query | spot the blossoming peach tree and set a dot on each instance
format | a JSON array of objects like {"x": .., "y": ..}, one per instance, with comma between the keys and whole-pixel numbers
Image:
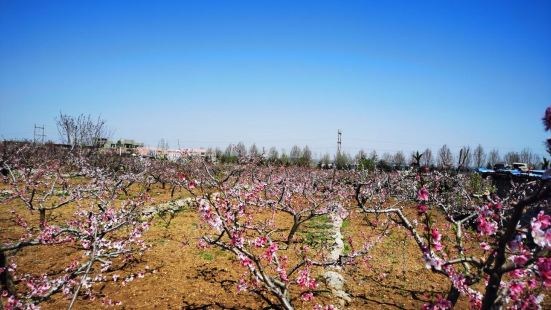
[
  {"x": 106, "y": 232},
  {"x": 256, "y": 213},
  {"x": 513, "y": 233}
]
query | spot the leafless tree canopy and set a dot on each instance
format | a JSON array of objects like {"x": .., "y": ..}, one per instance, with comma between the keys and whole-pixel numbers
[
  {"x": 493, "y": 157},
  {"x": 512, "y": 157},
  {"x": 526, "y": 156},
  {"x": 479, "y": 156},
  {"x": 81, "y": 130},
  {"x": 445, "y": 157},
  {"x": 399, "y": 158},
  {"x": 427, "y": 159},
  {"x": 465, "y": 157}
]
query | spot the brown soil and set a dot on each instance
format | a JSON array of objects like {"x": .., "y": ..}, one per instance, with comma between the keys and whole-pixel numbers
[{"x": 182, "y": 276}]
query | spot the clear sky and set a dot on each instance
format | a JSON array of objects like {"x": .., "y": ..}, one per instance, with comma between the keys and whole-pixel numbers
[{"x": 392, "y": 75}]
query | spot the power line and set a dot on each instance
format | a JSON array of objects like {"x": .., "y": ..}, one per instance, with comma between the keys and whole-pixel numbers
[
  {"x": 38, "y": 134},
  {"x": 339, "y": 141}
]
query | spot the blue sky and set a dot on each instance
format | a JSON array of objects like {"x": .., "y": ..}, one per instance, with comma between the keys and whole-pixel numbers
[{"x": 392, "y": 75}]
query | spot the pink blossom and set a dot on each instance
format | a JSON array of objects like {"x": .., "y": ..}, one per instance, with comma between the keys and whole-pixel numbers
[
  {"x": 518, "y": 273},
  {"x": 515, "y": 290},
  {"x": 541, "y": 232},
  {"x": 307, "y": 296},
  {"x": 421, "y": 209},
  {"x": 485, "y": 246},
  {"x": 260, "y": 241},
  {"x": 270, "y": 251},
  {"x": 305, "y": 281},
  {"x": 436, "y": 237},
  {"x": 423, "y": 194},
  {"x": 544, "y": 270},
  {"x": 432, "y": 261},
  {"x": 245, "y": 261},
  {"x": 324, "y": 307},
  {"x": 242, "y": 286},
  {"x": 439, "y": 304},
  {"x": 486, "y": 227}
]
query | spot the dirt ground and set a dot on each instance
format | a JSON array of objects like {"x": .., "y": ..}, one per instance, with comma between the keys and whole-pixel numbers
[{"x": 179, "y": 275}]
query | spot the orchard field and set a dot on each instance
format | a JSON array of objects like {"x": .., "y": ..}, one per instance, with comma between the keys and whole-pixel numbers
[{"x": 85, "y": 230}]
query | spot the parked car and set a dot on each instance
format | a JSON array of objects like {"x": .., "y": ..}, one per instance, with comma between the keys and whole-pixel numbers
[
  {"x": 501, "y": 166},
  {"x": 521, "y": 166}
]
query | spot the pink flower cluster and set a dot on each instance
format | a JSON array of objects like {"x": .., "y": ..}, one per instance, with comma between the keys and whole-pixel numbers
[
  {"x": 423, "y": 194},
  {"x": 486, "y": 226},
  {"x": 305, "y": 280},
  {"x": 541, "y": 230},
  {"x": 439, "y": 304},
  {"x": 544, "y": 270},
  {"x": 436, "y": 237}
]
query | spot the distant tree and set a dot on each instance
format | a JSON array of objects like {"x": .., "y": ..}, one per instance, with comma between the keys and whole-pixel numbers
[
  {"x": 295, "y": 155},
  {"x": 273, "y": 155},
  {"x": 218, "y": 153},
  {"x": 526, "y": 156},
  {"x": 325, "y": 161},
  {"x": 253, "y": 151},
  {"x": 229, "y": 155},
  {"x": 464, "y": 158},
  {"x": 545, "y": 164},
  {"x": 479, "y": 156},
  {"x": 284, "y": 159},
  {"x": 493, "y": 157},
  {"x": 373, "y": 155},
  {"x": 342, "y": 160},
  {"x": 512, "y": 157},
  {"x": 163, "y": 145},
  {"x": 399, "y": 159},
  {"x": 360, "y": 156},
  {"x": 305, "y": 157},
  {"x": 241, "y": 149},
  {"x": 81, "y": 130},
  {"x": 416, "y": 158},
  {"x": 387, "y": 157},
  {"x": 445, "y": 157},
  {"x": 427, "y": 159}
]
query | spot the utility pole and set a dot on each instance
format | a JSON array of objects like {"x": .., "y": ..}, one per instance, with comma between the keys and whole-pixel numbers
[
  {"x": 38, "y": 134},
  {"x": 339, "y": 141}
]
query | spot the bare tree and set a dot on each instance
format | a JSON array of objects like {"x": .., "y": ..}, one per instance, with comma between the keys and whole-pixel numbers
[
  {"x": 163, "y": 144},
  {"x": 399, "y": 159},
  {"x": 479, "y": 156},
  {"x": 306, "y": 156},
  {"x": 253, "y": 150},
  {"x": 373, "y": 155},
  {"x": 295, "y": 155},
  {"x": 361, "y": 155},
  {"x": 241, "y": 149},
  {"x": 445, "y": 157},
  {"x": 81, "y": 130},
  {"x": 526, "y": 156},
  {"x": 493, "y": 157},
  {"x": 512, "y": 157},
  {"x": 387, "y": 158},
  {"x": 325, "y": 160},
  {"x": 273, "y": 155},
  {"x": 464, "y": 160},
  {"x": 427, "y": 159}
]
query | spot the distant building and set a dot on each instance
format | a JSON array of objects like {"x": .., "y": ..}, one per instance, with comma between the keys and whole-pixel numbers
[
  {"x": 171, "y": 154},
  {"x": 122, "y": 146}
]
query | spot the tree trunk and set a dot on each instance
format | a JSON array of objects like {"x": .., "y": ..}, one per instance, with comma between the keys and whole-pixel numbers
[
  {"x": 6, "y": 282},
  {"x": 453, "y": 295},
  {"x": 496, "y": 273},
  {"x": 42, "y": 218}
]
